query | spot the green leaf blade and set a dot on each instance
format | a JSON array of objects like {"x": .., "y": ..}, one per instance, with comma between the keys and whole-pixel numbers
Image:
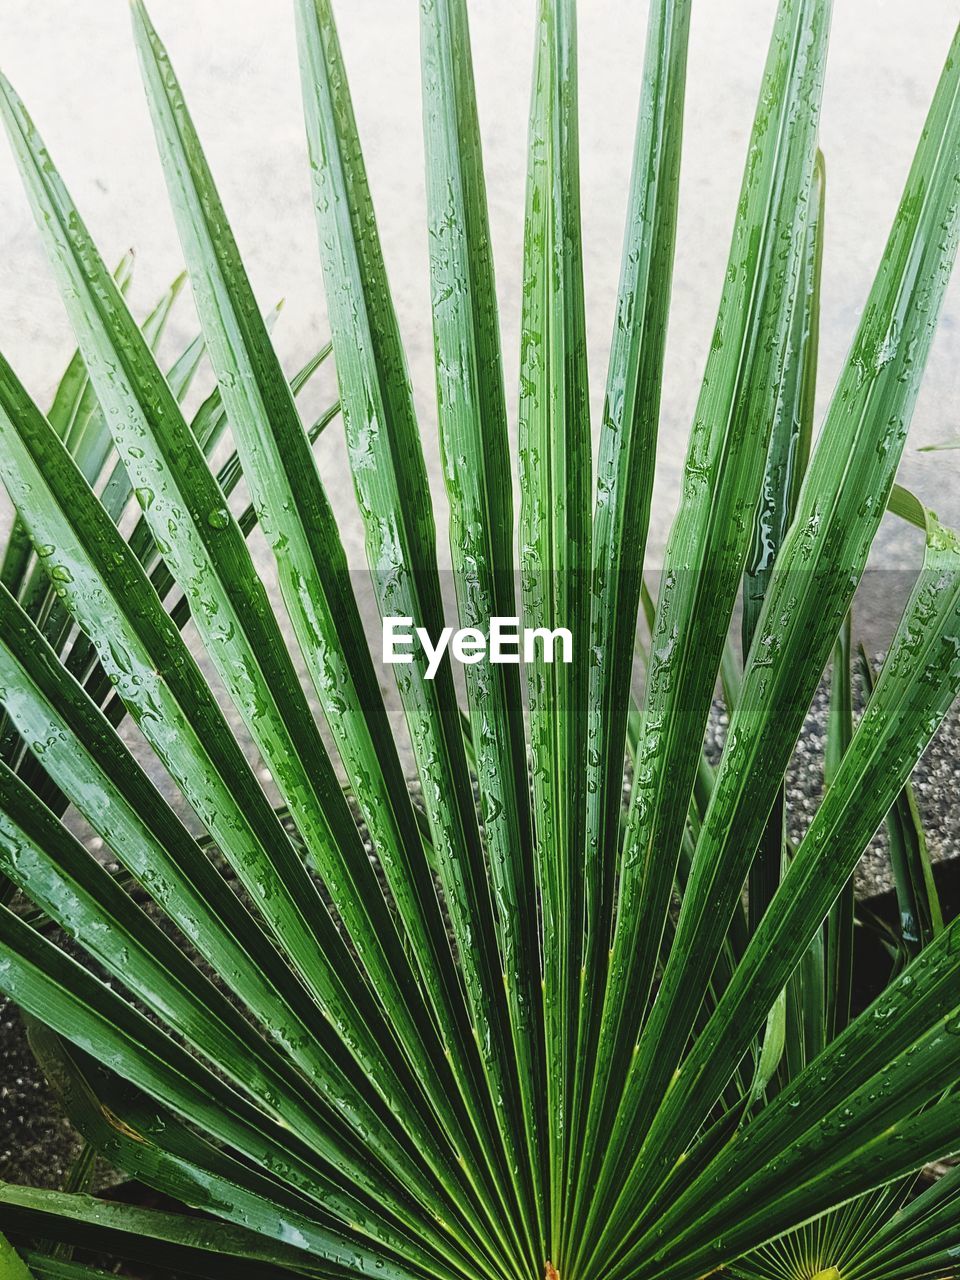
[{"x": 708, "y": 548}]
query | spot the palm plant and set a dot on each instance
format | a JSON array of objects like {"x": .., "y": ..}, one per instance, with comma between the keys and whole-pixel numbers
[{"x": 539, "y": 1030}]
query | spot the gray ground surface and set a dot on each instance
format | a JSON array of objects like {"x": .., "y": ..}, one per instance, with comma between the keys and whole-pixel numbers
[{"x": 76, "y": 67}]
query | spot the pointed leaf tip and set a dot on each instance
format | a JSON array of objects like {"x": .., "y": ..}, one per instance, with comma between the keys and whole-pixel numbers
[
  {"x": 141, "y": 18},
  {"x": 7, "y": 89}
]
